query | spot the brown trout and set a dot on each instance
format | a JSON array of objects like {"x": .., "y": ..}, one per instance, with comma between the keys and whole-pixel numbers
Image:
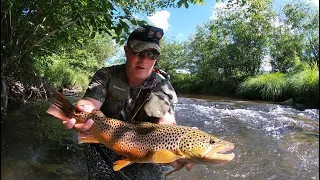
[{"x": 146, "y": 142}]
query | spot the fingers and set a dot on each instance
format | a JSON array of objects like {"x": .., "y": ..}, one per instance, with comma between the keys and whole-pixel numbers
[
  {"x": 174, "y": 164},
  {"x": 82, "y": 127},
  {"x": 178, "y": 164},
  {"x": 69, "y": 124},
  {"x": 85, "y": 108},
  {"x": 189, "y": 166}
]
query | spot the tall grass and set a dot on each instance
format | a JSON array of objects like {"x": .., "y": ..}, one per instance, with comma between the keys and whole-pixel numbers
[
  {"x": 269, "y": 87},
  {"x": 302, "y": 85}
]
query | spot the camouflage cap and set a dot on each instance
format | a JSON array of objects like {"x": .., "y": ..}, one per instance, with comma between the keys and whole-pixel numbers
[{"x": 145, "y": 37}]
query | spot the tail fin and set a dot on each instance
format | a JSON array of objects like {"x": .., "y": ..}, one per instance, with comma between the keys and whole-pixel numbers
[{"x": 61, "y": 108}]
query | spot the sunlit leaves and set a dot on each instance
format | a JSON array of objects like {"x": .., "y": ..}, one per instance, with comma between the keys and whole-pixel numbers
[
  {"x": 296, "y": 38},
  {"x": 231, "y": 45},
  {"x": 78, "y": 60},
  {"x": 39, "y": 28},
  {"x": 173, "y": 56}
]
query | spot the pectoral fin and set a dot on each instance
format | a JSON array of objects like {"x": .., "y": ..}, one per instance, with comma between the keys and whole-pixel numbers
[
  {"x": 164, "y": 156},
  {"x": 117, "y": 165},
  {"x": 178, "y": 168},
  {"x": 87, "y": 139}
]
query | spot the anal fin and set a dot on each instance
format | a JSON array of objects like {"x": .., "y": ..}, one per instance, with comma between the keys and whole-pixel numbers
[
  {"x": 87, "y": 139},
  {"x": 117, "y": 165}
]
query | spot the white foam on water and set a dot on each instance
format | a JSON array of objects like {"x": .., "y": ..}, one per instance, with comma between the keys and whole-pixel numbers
[
  {"x": 272, "y": 120},
  {"x": 271, "y": 141}
]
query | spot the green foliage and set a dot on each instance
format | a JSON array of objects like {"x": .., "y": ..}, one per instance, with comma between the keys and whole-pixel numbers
[
  {"x": 271, "y": 87},
  {"x": 230, "y": 47},
  {"x": 73, "y": 65},
  {"x": 34, "y": 29},
  {"x": 173, "y": 56},
  {"x": 62, "y": 75},
  {"x": 304, "y": 85},
  {"x": 186, "y": 83},
  {"x": 285, "y": 50},
  {"x": 64, "y": 41},
  {"x": 297, "y": 36}
]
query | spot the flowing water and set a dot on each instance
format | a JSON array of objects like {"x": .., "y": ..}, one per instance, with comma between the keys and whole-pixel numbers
[{"x": 271, "y": 141}]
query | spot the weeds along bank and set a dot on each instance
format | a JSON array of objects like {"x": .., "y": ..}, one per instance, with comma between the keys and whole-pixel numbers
[{"x": 301, "y": 86}]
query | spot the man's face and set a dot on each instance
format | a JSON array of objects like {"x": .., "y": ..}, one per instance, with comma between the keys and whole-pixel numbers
[{"x": 138, "y": 67}]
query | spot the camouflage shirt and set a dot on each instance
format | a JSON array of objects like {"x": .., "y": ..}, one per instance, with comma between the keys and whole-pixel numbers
[{"x": 147, "y": 102}]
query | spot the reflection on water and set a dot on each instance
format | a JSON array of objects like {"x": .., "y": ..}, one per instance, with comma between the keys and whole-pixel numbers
[
  {"x": 33, "y": 148},
  {"x": 271, "y": 142}
]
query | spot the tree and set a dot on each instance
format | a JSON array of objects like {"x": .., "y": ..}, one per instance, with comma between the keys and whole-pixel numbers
[
  {"x": 296, "y": 38},
  {"x": 303, "y": 20},
  {"x": 285, "y": 50},
  {"x": 67, "y": 67},
  {"x": 173, "y": 56},
  {"x": 39, "y": 27},
  {"x": 32, "y": 30},
  {"x": 232, "y": 46}
]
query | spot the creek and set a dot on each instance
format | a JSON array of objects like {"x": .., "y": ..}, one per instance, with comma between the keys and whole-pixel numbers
[{"x": 271, "y": 141}]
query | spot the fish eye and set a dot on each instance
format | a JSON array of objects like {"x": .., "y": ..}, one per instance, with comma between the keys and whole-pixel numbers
[{"x": 212, "y": 141}]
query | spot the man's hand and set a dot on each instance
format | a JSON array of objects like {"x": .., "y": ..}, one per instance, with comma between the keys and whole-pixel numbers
[
  {"x": 169, "y": 118},
  {"x": 87, "y": 105},
  {"x": 179, "y": 164},
  {"x": 81, "y": 127}
]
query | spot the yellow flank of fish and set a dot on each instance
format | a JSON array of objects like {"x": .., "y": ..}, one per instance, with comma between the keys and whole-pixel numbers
[{"x": 146, "y": 142}]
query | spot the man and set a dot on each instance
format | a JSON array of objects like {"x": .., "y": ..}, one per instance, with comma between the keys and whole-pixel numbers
[{"x": 135, "y": 91}]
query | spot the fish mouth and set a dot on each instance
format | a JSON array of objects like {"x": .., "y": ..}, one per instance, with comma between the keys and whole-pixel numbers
[{"x": 219, "y": 155}]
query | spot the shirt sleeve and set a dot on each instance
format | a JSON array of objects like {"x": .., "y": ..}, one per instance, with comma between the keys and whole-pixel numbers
[
  {"x": 98, "y": 86},
  {"x": 170, "y": 94},
  {"x": 162, "y": 100}
]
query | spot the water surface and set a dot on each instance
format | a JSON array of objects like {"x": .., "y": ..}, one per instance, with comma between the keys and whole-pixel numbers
[{"x": 271, "y": 141}]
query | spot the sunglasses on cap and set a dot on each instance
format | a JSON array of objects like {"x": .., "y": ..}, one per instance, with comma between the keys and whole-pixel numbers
[
  {"x": 147, "y": 33},
  {"x": 153, "y": 34},
  {"x": 151, "y": 54}
]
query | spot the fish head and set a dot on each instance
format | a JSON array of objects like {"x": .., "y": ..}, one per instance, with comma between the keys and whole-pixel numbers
[{"x": 203, "y": 148}]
